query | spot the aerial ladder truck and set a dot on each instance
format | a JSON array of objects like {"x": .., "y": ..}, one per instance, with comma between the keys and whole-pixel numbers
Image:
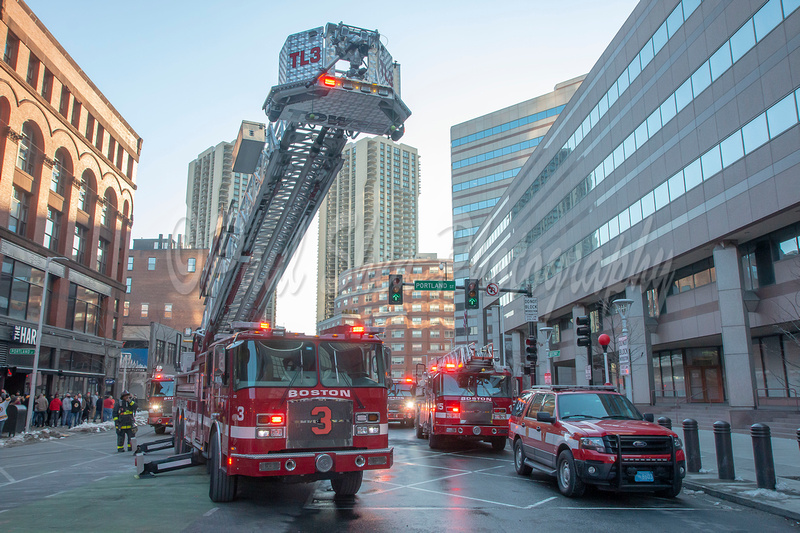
[{"x": 255, "y": 400}]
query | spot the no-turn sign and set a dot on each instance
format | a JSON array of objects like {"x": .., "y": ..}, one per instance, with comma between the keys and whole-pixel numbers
[{"x": 492, "y": 289}]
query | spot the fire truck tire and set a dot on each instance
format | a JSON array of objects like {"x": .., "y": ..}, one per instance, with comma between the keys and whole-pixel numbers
[
  {"x": 498, "y": 444},
  {"x": 222, "y": 487},
  {"x": 568, "y": 482},
  {"x": 178, "y": 437},
  {"x": 160, "y": 430},
  {"x": 435, "y": 441},
  {"x": 519, "y": 459},
  {"x": 348, "y": 484}
]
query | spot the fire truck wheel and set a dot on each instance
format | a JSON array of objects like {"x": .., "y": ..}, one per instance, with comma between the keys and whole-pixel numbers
[
  {"x": 178, "y": 437},
  {"x": 499, "y": 444},
  {"x": 436, "y": 441},
  {"x": 160, "y": 430},
  {"x": 568, "y": 482},
  {"x": 519, "y": 459},
  {"x": 222, "y": 487},
  {"x": 348, "y": 484}
]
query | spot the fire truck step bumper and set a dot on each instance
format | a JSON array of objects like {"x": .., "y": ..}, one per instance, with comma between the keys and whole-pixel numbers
[
  {"x": 152, "y": 446},
  {"x": 175, "y": 462}
]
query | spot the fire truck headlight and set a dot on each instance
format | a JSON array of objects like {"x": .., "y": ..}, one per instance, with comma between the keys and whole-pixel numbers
[
  {"x": 155, "y": 408},
  {"x": 374, "y": 430},
  {"x": 368, "y": 430},
  {"x": 409, "y": 405},
  {"x": 264, "y": 433}
]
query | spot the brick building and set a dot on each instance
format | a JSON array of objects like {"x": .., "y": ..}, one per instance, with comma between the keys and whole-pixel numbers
[{"x": 67, "y": 180}]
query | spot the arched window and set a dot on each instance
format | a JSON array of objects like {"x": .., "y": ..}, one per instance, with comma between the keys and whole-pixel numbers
[{"x": 62, "y": 171}]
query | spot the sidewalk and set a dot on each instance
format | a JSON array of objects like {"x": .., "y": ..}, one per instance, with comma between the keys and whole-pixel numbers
[{"x": 784, "y": 501}]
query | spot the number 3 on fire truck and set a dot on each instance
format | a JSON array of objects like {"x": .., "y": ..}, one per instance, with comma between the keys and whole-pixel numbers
[
  {"x": 240, "y": 413},
  {"x": 325, "y": 420}
]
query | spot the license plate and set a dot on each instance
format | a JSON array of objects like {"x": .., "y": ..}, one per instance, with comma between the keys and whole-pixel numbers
[{"x": 643, "y": 476}]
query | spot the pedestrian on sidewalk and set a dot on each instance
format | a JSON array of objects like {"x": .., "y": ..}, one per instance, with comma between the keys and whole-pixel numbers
[
  {"x": 93, "y": 411},
  {"x": 55, "y": 409},
  {"x": 98, "y": 409},
  {"x": 4, "y": 401},
  {"x": 66, "y": 408},
  {"x": 75, "y": 412},
  {"x": 108, "y": 408},
  {"x": 124, "y": 420},
  {"x": 87, "y": 408},
  {"x": 40, "y": 410}
]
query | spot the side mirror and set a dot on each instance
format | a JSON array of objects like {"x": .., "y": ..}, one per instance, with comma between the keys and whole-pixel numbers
[
  {"x": 649, "y": 417},
  {"x": 547, "y": 418}
]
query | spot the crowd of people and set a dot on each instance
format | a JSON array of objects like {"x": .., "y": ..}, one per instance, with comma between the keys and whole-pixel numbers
[{"x": 69, "y": 410}]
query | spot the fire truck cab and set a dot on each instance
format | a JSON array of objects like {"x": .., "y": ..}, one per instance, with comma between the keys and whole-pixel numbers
[
  {"x": 465, "y": 396},
  {"x": 402, "y": 401},
  {"x": 265, "y": 402},
  {"x": 160, "y": 397}
]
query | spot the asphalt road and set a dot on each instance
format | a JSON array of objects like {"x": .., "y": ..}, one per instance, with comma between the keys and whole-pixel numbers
[{"x": 81, "y": 484}]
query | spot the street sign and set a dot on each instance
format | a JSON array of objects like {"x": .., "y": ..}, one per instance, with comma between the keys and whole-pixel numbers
[
  {"x": 547, "y": 378},
  {"x": 22, "y": 351},
  {"x": 110, "y": 381},
  {"x": 622, "y": 346},
  {"x": 434, "y": 285},
  {"x": 554, "y": 353},
  {"x": 531, "y": 309},
  {"x": 625, "y": 369},
  {"x": 492, "y": 289},
  {"x": 588, "y": 372}
]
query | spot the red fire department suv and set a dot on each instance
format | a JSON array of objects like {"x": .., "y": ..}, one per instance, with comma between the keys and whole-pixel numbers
[{"x": 594, "y": 436}]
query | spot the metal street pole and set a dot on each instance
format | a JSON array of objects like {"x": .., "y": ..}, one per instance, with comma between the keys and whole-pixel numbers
[
  {"x": 623, "y": 306},
  {"x": 35, "y": 369}
]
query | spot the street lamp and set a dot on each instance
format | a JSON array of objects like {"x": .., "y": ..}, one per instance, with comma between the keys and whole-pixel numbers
[
  {"x": 623, "y": 306},
  {"x": 37, "y": 349}
]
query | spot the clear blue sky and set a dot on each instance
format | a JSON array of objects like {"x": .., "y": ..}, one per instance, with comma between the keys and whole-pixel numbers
[{"x": 185, "y": 74}]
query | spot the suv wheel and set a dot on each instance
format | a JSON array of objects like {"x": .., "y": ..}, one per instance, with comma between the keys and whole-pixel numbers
[
  {"x": 671, "y": 492},
  {"x": 568, "y": 482},
  {"x": 519, "y": 459}
]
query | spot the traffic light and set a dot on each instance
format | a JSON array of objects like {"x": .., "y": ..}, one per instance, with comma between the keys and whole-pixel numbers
[
  {"x": 531, "y": 349},
  {"x": 583, "y": 331},
  {"x": 471, "y": 294},
  {"x": 396, "y": 290}
]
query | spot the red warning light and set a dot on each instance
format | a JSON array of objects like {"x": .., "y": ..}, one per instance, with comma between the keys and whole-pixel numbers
[
  {"x": 276, "y": 419},
  {"x": 158, "y": 376},
  {"x": 264, "y": 325},
  {"x": 450, "y": 366},
  {"x": 358, "y": 329},
  {"x": 409, "y": 380},
  {"x": 329, "y": 81}
]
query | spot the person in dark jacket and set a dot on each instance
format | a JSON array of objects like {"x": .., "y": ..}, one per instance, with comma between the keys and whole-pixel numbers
[
  {"x": 124, "y": 420},
  {"x": 98, "y": 410}
]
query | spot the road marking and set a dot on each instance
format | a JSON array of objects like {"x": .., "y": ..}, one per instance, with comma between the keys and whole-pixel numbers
[
  {"x": 6, "y": 474},
  {"x": 55, "y": 494},
  {"x": 537, "y": 504},
  {"x": 101, "y": 479},
  {"x": 212, "y": 511},
  {"x": 643, "y": 509}
]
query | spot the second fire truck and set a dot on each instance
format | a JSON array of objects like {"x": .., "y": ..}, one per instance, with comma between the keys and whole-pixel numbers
[
  {"x": 465, "y": 396},
  {"x": 160, "y": 393}
]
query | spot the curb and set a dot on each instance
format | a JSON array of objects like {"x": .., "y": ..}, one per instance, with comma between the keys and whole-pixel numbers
[{"x": 747, "y": 502}]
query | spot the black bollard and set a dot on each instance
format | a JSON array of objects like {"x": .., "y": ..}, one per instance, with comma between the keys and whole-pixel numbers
[
  {"x": 762, "y": 453},
  {"x": 665, "y": 421},
  {"x": 691, "y": 446},
  {"x": 722, "y": 440},
  {"x": 798, "y": 438}
]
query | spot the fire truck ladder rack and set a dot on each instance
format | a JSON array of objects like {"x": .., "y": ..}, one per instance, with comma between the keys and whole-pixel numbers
[
  {"x": 252, "y": 252},
  {"x": 466, "y": 357}
]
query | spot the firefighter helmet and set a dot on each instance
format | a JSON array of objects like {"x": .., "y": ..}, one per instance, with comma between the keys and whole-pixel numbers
[{"x": 124, "y": 393}]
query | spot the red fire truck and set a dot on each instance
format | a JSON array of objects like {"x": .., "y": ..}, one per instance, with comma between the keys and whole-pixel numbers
[
  {"x": 265, "y": 402},
  {"x": 160, "y": 393},
  {"x": 402, "y": 402},
  {"x": 464, "y": 396}
]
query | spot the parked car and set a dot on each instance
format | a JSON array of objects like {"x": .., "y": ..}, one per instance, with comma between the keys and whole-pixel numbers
[{"x": 594, "y": 436}]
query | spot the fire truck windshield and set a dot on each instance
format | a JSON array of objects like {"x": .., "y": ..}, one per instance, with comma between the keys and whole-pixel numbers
[
  {"x": 474, "y": 385},
  {"x": 162, "y": 388},
  {"x": 274, "y": 363},
  {"x": 351, "y": 364}
]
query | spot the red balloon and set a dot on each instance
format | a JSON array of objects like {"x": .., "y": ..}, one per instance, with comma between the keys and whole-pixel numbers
[{"x": 604, "y": 340}]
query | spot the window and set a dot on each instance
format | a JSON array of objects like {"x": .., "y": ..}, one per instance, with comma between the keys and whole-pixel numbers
[
  {"x": 59, "y": 176},
  {"x": 79, "y": 244},
  {"x": 52, "y": 229},
  {"x": 76, "y": 114},
  {"x": 104, "y": 214},
  {"x": 83, "y": 310},
  {"x": 63, "y": 105},
  {"x": 126, "y": 308},
  {"x": 167, "y": 310},
  {"x": 416, "y": 270},
  {"x": 98, "y": 142},
  {"x": 25, "y": 155},
  {"x": 130, "y": 262},
  {"x": 151, "y": 263},
  {"x": 128, "y": 285},
  {"x": 12, "y": 49},
  {"x": 33, "y": 71},
  {"x": 415, "y": 347},
  {"x": 83, "y": 192},
  {"x": 102, "y": 256},
  {"x": 416, "y": 308},
  {"x": 398, "y": 333},
  {"x": 20, "y": 290},
  {"x": 145, "y": 310},
  {"x": 435, "y": 333},
  {"x": 18, "y": 218},
  {"x": 89, "y": 127},
  {"x": 416, "y": 320},
  {"x": 416, "y": 333},
  {"x": 47, "y": 85}
]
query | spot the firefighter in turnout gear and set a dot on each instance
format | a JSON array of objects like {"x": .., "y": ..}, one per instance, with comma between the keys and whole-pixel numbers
[{"x": 124, "y": 420}]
